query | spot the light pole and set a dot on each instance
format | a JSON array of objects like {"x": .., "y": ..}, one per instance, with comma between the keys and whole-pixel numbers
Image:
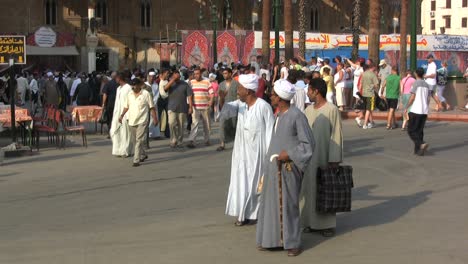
[
  {"x": 214, "y": 21},
  {"x": 276, "y": 7},
  {"x": 395, "y": 24},
  {"x": 413, "y": 47}
]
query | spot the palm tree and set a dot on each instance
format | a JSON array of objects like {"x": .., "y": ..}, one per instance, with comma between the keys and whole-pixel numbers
[
  {"x": 302, "y": 27},
  {"x": 374, "y": 30},
  {"x": 288, "y": 29},
  {"x": 266, "y": 15},
  {"x": 403, "y": 36},
  {"x": 355, "y": 29}
]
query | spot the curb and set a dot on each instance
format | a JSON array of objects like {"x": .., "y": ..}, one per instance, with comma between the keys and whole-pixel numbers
[{"x": 453, "y": 117}]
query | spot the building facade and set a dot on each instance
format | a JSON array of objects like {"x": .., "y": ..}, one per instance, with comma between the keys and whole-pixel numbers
[
  {"x": 444, "y": 17},
  {"x": 147, "y": 32}
]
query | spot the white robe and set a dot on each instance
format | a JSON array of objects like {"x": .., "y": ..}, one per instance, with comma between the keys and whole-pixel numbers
[
  {"x": 154, "y": 131},
  {"x": 253, "y": 135},
  {"x": 122, "y": 144}
]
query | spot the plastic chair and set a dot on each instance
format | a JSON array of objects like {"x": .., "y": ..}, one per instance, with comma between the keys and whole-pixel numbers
[
  {"x": 51, "y": 128},
  {"x": 72, "y": 129}
]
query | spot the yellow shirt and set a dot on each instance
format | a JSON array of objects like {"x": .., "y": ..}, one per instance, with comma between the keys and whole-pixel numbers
[
  {"x": 328, "y": 80},
  {"x": 138, "y": 107}
]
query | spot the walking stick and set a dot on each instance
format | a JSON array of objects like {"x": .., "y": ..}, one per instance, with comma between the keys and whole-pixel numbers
[{"x": 280, "y": 189}]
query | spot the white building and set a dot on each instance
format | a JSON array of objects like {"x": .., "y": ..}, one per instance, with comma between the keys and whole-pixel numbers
[{"x": 444, "y": 17}]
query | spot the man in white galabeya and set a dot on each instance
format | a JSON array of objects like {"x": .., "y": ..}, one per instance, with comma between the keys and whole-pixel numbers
[{"x": 253, "y": 133}]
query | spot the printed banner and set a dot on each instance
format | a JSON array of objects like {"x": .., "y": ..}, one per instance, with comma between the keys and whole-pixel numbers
[{"x": 318, "y": 41}]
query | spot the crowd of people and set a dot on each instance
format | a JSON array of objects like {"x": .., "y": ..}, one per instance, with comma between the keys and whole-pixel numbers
[{"x": 285, "y": 122}]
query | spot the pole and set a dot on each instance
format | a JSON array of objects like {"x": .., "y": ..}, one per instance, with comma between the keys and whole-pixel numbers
[
  {"x": 12, "y": 101},
  {"x": 215, "y": 21},
  {"x": 277, "y": 17},
  {"x": 413, "y": 47}
]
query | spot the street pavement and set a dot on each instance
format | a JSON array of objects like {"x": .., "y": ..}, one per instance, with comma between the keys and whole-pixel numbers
[{"x": 81, "y": 205}]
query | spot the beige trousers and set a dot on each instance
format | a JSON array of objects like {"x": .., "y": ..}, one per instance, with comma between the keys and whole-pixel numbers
[
  {"x": 138, "y": 134},
  {"x": 203, "y": 116},
  {"x": 176, "y": 125}
]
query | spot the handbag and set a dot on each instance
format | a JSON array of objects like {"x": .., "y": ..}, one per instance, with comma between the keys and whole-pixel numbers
[
  {"x": 380, "y": 103},
  {"x": 104, "y": 117},
  {"x": 334, "y": 187}
]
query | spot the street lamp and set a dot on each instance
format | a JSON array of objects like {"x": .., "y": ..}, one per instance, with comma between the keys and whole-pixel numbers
[
  {"x": 276, "y": 7},
  {"x": 395, "y": 24},
  {"x": 214, "y": 22}
]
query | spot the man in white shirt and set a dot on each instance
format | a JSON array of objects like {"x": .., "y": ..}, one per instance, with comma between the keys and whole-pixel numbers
[
  {"x": 138, "y": 104},
  {"x": 431, "y": 72},
  {"x": 22, "y": 88},
  {"x": 284, "y": 71},
  {"x": 34, "y": 92},
  {"x": 418, "y": 108}
]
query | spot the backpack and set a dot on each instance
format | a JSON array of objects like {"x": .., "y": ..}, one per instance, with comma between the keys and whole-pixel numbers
[{"x": 441, "y": 76}]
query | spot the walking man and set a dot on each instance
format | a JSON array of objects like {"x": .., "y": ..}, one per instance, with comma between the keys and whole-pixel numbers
[
  {"x": 391, "y": 93},
  {"x": 179, "y": 93},
  {"x": 138, "y": 105},
  {"x": 288, "y": 155},
  {"x": 325, "y": 121},
  {"x": 419, "y": 104},
  {"x": 202, "y": 103},
  {"x": 122, "y": 146},
  {"x": 227, "y": 93},
  {"x": 254, "y": 127}
]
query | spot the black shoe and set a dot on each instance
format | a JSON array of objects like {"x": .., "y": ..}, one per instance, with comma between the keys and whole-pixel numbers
[
  {"x": 144, "y": 158},
  {"x": 136, "y": 164},
  {"x": 191, "y": 145}
]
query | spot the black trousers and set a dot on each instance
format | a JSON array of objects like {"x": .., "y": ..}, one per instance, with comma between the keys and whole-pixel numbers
[{"x": 416, "y": 125}]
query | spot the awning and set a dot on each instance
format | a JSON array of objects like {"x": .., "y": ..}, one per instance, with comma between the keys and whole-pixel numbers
[{"x": 52, "y": 51}]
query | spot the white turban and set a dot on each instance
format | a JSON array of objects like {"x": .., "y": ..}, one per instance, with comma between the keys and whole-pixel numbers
[
  {"x": 50, "y": 74},
  {"x": 285, "y": 90},
  {"x": 249, "y": 81},
  {"x": 151, "y": 73}
]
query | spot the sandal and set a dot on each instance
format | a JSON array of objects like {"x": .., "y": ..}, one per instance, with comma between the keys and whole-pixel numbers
[
  {"x": 220, "y": 148},
  {"x": 294, "y": 252},
  {"x": 330, "y": 232},
  {"x": 240, "y": 223}
]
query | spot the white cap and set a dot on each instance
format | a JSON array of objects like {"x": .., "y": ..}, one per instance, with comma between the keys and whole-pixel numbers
[
  {"x": 249, "y": 81},
  {"x": 382, "y": 62},
  {"x": 151, "y": 73},
  {"x": 50, "y": 74},
  {"x": 284, "y": 89},
  {"x": 212, "y": 76}
]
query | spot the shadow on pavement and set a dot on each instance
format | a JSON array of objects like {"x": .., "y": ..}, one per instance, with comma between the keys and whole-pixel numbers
[
  {"x": 47, "y": 158},
  {"x": 448, "y": 147},
  {"x": 386, "y": 212},
  {"x": 361, "y": 147},
  {"x": 8, "y": 174}
]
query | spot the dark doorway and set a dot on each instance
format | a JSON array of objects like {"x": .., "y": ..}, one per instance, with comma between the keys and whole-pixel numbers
[{"x": 102, "y": 61}]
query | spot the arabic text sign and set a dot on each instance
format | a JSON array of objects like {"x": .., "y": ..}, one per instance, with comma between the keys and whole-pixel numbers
[
  {"x": 387, "y": 42},
  {"x": 12, "y": 47}
]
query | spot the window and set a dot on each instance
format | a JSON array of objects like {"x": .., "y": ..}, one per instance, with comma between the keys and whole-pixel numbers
[
  {"x": 433, "y": 5},
  {"x": 50, "y": 7},
  {"x": 447, "y": 21},
  {"x": 145, "y": 14},
  {"x": 448, "y": 4},
  {"x": 314, "y": 19},
  {"x": 433, "y": 25},
  {"x": 464, "y": 22},
  {"x": 101, "y": 11},
  {"x": 464, "y": 3}
]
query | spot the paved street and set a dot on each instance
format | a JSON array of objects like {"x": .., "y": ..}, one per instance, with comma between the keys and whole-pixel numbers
[{"x": 84, "y": 206}]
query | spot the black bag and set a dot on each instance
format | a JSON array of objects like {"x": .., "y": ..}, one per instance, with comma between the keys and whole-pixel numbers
[
  {"x": 334, "y": 189},
  {"x": 380, "y": 103},
  {"x": 104, "y": 117}
]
